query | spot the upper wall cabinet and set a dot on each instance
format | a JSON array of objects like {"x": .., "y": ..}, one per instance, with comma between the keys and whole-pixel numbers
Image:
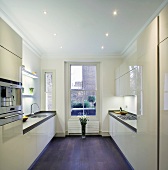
[
  {"x": 130, "y": 83},
  {"x": 9, "y": 65},
  {"x": 117, "y": 73},
  {"x": 163, "y": 24},
  {"x": 147, "y": 40},
  {"x": 9, "y": 39}
]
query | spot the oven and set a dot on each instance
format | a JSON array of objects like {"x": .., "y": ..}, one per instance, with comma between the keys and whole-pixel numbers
[{"x": 10, "y": 110}]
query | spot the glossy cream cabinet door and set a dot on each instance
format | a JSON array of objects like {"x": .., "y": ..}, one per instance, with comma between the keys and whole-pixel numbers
[
  {"x": 110, "y": 126},
  {"x": 11, "y": 154},
  {"x": 163, "y": 24},
  {"x": 29, "y": 148},
  {"x": 10, "y": 65},
  {"x": 36, "y": 140},
  {"x": 141, "y": 148},
  {"x": 9, "y": 39},
  {"x": 52, "y": 128},
  {"x": 117, "y": 73},
  {"x": 42, "y": 136},
  {"x": 117, "y": 87},
  {"x": 164, "y": 105}
]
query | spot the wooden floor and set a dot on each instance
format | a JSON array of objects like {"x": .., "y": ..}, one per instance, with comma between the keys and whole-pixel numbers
[{"x": 75, "y": 153}]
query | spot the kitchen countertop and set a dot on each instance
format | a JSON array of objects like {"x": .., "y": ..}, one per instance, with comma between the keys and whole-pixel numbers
[
  {"x": 132, "y": 124},
  {"x": 31, "y": 123}
]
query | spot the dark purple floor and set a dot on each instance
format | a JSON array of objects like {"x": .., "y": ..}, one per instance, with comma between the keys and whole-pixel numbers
[{"x": 75, "y": 153}]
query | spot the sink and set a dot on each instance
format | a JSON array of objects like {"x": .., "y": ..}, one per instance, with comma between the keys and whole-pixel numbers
[{"x": 38, "y": 116}]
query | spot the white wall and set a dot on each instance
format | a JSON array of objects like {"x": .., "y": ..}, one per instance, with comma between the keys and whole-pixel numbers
[
  {"x": 108, "y": 100},
  {"x": 107, "y": 89},
  {"x": 58, "y": 66},
  {"x": 32, "y": 63}
]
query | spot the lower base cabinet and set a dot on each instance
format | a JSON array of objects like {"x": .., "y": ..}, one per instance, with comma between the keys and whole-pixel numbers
[
  {"x": 42, "y": 137},
  {"x": 29, "y": 148},
  {"x": 136, "y": 147},
  {"x": 36, "y": 140},
  {"x": 11, "y": 154},
  {"x": 21, "y": 151}
]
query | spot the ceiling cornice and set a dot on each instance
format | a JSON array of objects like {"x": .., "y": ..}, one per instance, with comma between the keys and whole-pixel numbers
[{"x": 17, "y": 28}]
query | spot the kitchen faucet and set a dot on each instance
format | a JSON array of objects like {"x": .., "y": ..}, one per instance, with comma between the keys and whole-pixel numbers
[{"x": 32, "y": 107}]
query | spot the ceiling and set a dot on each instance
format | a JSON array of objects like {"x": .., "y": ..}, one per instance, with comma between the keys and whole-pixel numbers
[{"x": 80, "y": 25}]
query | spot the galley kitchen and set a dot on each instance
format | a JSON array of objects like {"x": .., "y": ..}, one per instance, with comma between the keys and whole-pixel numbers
[{"x": 83, "y": 84}]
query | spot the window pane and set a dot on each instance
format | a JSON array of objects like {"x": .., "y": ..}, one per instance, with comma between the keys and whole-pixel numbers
[
  {"x": 89, "y": 77},
  {"x": 77, "y": 103},
  {"x": 48, "y": 101},
  {"x": 48, "y": 83},
  {"x": 48, "y": 90},
  {"x": 83, "y": 102},
  {"x": 90, "y": 103},
  {"x": 83, "y": 77},
  {"x": 76, "y": 77}
]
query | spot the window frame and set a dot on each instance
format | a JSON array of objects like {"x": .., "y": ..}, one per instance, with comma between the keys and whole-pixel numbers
[
  {"x": 68, "y": 89},
  {"x": 43, "y": 90}
]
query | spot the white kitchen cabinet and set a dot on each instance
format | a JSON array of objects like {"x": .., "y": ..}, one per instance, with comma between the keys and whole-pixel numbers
[
  {"x": 29, "y": 147},
  {"x": 36, "y": 140},
  {"x": 120, "y": 87},
  {"x": 124, "y": 68},
  {"x": 52, "y": 127},
  {"x": 110, "y": 125},
  {"x": 135, "y": 80},
  {"x": 163, "y": 105},
  {"x": 119, "y": 133},
  {"x": 42, "y": 136},
  {"x": 11, "y": 154},
  {"x": 117, "y": 73},
  {"x": 10, "y": 66},
  {"x": 125, "y": 139},
  {"x": 45, "y": 132},
  {"x": 128, "y": 83},
  {"x": 137, "y": 147},
  {"x": 117, "y": 87},
  {"x": 163, "y": 24},
  {"x": 123, "y": 87},
  {"x": 9, "y": 39}
]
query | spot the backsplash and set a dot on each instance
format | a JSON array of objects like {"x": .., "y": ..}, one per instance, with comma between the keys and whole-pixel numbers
[{"x": 130, "y": 104}]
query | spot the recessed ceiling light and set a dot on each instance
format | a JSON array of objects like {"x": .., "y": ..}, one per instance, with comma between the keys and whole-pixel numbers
[
  {"x": 55, "y": 34},
  {"x": 60, "y": 46},
  {"x": 102, "y": 47},
  {"x": 107, "y": 34},
  {"x": 45, "y": 12},
  {"x": 115, "y": 12}
]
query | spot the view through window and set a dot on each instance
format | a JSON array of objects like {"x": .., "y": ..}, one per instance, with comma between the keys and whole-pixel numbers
[
  {"x": 83, "y": 90},
  {"x": 48, "y": 90}
]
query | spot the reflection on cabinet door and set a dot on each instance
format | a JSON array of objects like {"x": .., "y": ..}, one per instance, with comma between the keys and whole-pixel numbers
[
  {"x": 10, "y": 66},
  {"x": 133, "y": 82}
]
